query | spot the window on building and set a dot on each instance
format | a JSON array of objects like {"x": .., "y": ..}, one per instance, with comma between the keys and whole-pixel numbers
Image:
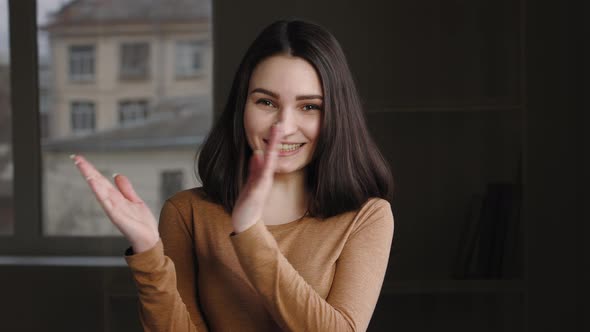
[
  {"x": 82, "y": 62},
  {"x": 135, "y": 60},
  {"x": 171, "y": 182},
  {"x": 132, "y": 111},
  {"x": 83, "y": 116},
  {"x": 189, "y": 58}
]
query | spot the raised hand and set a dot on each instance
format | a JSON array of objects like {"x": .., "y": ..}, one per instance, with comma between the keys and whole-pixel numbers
[
  {"x": 250, "y": 203},
  {"x": 122, "y": 205}
]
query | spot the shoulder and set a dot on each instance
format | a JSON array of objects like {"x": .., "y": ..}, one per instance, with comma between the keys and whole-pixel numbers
[
  {"x": 188, "y": 195},
  {"x": 375, "y": 205},
  {"x": 184, "y": 208},
  {"x": 374, "y": 213}
]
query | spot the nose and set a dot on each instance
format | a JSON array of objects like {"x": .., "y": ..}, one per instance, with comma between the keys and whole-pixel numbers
[{"x": 288, "y": 118}]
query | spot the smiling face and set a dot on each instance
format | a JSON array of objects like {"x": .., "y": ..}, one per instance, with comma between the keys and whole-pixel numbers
[{"x": 287, "y": 89}]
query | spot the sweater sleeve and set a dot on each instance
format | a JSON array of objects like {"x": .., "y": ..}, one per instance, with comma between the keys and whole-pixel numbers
[
  {"x": 294, "y": 304},
  {"x": 165, "y": 303}
]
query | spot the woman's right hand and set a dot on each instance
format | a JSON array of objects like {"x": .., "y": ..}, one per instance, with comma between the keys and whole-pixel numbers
[{"x": 124, "y": 208}]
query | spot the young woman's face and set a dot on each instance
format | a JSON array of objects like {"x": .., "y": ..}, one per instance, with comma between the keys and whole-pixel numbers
[{"x": 287, "y": 89}]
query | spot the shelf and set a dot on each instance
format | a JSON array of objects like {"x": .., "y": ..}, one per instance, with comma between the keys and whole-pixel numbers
[
  {"x": 59, "y": 261},
  {"x": 452, "y": 286}
]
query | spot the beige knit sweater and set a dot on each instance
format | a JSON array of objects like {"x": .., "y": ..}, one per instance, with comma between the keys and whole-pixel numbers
[{"x": 306, "y": 275}]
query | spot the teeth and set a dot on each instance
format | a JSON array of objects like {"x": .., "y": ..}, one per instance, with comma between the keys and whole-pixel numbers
[{"x": 290, "y": 147}]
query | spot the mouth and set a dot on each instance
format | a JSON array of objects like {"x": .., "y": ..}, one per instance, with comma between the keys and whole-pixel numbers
[{"x": 287, "y": 148}]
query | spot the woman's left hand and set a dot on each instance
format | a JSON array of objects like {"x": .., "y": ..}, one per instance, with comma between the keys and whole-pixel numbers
[{"x": 250, "y": 204}]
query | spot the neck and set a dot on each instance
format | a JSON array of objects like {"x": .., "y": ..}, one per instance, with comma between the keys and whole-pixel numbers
[{"x": 287, "y": 200}]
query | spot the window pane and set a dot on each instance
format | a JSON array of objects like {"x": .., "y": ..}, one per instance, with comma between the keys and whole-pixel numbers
[
  {"x": 110, "y": 93},
  {"x": 131, "y": 112},
  {"x": 83, "y": 117},
  {"x": 81, "y": 60},
  {"x": 171, "y": 182},
  {"x": 6, "y": 166},
  {"x": 135, "y": 60},
  {"x": 189, "y": 58}
]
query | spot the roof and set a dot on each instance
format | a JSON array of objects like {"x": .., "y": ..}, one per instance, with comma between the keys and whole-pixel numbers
[
  {"x": 175, "y": 123},
  {"x": 90, "y": 12}
]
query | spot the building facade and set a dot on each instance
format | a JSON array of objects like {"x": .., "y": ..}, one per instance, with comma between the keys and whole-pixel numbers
[{"x": 131, "y": 90}]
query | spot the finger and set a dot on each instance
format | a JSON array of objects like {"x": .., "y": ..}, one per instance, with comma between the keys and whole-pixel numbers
[
  {"x": 87, "y": 169},
  {"x": 102, "y": 188},
  {"x": 126, "y": 188},
  {"x": 104, "y": 193},
  {"x": 256, "y": 163},
  {"x": 272, "y": 153}
]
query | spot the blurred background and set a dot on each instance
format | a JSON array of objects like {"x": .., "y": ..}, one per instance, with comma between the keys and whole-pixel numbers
[{"x": 475, "y": 104}]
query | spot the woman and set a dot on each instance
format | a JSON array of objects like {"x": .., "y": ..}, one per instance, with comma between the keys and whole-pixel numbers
[{"x": 292, "y": 227}]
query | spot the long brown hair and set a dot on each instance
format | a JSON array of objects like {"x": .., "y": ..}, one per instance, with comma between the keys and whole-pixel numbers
[{"x": 346, "y": 167}]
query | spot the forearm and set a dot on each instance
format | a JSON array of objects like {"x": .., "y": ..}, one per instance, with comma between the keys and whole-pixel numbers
[
  {"x": 292, "y": 302},
  {"x": 160, "y": 305},
  {"x": 359, "y": 273}
]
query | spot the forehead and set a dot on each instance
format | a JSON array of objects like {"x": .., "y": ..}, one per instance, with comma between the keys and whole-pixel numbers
[{"x": 286, "y": 75}]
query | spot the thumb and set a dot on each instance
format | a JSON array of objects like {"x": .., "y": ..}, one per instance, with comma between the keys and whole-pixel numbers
[{"x": 126, "y": 188}]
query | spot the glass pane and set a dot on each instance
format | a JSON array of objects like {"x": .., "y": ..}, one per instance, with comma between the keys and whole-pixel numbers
[
  {"x": 109, "y": 91},
  {"x": 6, "y": 166}
]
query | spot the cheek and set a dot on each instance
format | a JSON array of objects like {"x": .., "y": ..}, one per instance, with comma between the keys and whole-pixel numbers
[
  {"x": 314, "y": 129},
  {"x": 253, "y": 126},
  {"x": 248, "y": 126}
]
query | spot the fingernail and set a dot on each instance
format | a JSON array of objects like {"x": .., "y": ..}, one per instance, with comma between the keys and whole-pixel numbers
[
  {"x": 258, "y": 151},
  {"x": 115, "y": 175},
  {"x": 72, "y": 156},
  {"x": 76, "y": 162}
]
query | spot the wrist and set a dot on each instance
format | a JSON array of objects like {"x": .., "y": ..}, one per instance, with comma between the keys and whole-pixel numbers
[
  {"x": 145, "y": 245},
  {"x": 241, "y": 227}
]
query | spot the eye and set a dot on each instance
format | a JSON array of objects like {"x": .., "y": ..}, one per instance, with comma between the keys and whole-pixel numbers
[
  {"x": 265, "y": 102},
  {"x": 313, "y": 106}
]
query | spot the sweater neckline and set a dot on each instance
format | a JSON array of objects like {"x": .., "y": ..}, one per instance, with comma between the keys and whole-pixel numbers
[{"x": 289, "y": 224}]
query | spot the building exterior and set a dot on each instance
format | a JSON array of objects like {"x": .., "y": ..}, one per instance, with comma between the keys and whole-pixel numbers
[
  {"x": 132, "y": 92},
  {"x": 114, "y": 61}
]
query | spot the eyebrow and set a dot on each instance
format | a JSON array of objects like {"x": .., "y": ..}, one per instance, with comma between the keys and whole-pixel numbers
[{"x": 276, "y": 95}]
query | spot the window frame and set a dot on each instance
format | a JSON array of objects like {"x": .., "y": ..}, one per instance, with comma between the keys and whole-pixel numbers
[
  {"x": 181, "y": 74},
  {"x": 81, "y": 77},
  {"x": 89, "y": 109},
  {"x": 122, "y": 109},
  {"x": 166, "y": 175},
  {"x": 27, "y": 238},
  {"x": 126, "y": 73}
]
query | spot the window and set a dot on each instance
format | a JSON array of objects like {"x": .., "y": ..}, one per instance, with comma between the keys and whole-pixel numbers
[
  {"x": 123, "y": 141},
  {"x": 82, "y": 63},
  {"x": 83, "y": 116},
  {"x": 135, "y": 60},
  {"x": 171, "y": 183},
  {"x": 132, "y": 111},
  {"x": 189, "y": 58},
  {"x": 92, "y": 119}
]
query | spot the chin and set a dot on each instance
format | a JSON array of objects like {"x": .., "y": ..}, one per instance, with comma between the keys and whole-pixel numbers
[{"x": 288, "y": 169}]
